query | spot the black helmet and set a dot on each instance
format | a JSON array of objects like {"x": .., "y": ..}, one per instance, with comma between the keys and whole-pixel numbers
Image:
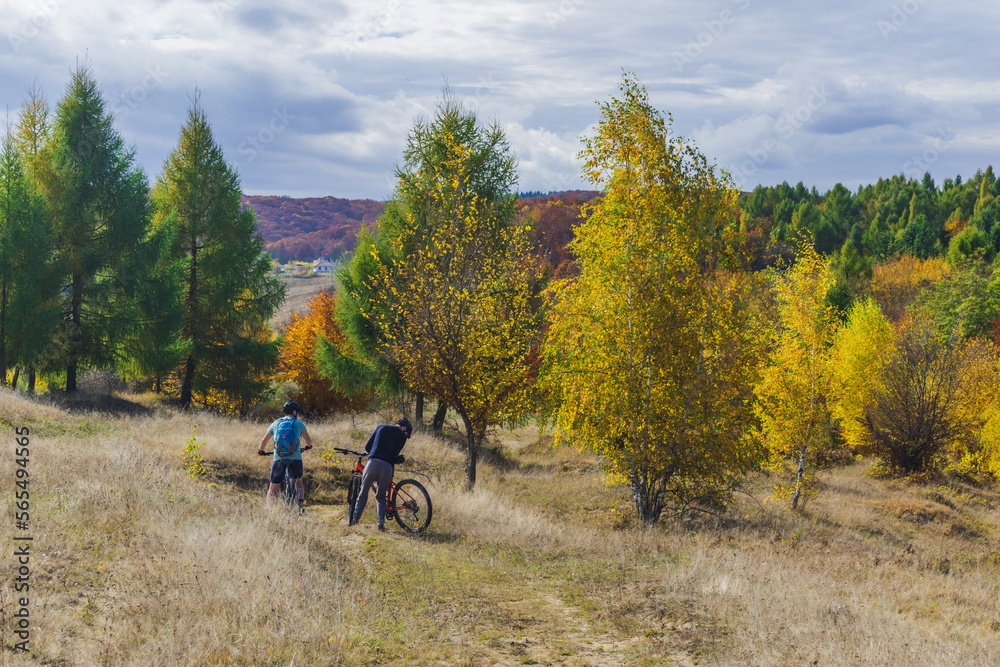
[
  {"x": 407, "y": 426},
  {"x": 291, "y": 406}
]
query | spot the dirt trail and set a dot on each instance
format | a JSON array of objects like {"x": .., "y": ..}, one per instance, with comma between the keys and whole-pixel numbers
[{"x": 538, "y": 625}]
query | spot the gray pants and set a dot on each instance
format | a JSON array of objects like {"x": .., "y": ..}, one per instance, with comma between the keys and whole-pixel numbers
[{"x": 379, "y": 472}]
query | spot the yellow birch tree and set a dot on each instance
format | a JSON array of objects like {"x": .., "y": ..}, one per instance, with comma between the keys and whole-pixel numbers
[
  {"x": 459, "y": 304},
  {"x": 861, "y": 348},
  {"x": 792, "y": 395},
  {"x": 652, "y": 350}
]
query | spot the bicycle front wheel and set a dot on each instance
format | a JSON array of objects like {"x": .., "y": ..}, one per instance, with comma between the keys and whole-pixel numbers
[
  {"x": 411, "y": 506},
  {"x": 353, "y": 491}
]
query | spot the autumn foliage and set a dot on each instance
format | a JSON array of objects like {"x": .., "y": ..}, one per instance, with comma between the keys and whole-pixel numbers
[
  {"x": 651, "y": 355},
  {"x": 897, "y": 282},
  {"x": 553, "y": 220},
  {"x": 302, "y": 229},
  {"x": 298, "y": 356},
  {"x": 795, "y": 386}
]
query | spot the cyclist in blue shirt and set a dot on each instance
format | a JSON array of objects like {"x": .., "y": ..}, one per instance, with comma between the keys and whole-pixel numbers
[
  {"x": 383, "y": 447},
  {"x": 293, "y": 461}
]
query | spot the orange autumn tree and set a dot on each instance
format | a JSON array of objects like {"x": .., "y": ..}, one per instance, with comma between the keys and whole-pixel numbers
[{"x": 298, "y": 357}]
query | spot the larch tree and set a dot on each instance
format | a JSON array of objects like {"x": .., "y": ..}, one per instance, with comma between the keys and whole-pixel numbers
[
  {"x": 98, "y": 201},
  {"x": 461, "y": 315},
  {"x": 28, "y": 287},
  {"x": 793, "y": 393},
  {"x": 229, "y": 291},
  {"x": 34, "y": 131},
  {"x": 653, "y": 349}
]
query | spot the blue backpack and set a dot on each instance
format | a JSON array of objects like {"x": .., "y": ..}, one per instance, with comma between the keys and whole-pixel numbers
[{"x": 286, "y": 438}]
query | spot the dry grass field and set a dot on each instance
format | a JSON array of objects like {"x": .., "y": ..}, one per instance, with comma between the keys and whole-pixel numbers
[
  {"x": 134, "y": 562},
  {"x": 299, "y": 291}
]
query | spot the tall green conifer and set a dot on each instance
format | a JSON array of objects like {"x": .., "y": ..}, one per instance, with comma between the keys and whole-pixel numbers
[
  {"x": 229, "y": 290},
  {"x": 98, "y": 200},
  {"x": 27, "y": 286}
]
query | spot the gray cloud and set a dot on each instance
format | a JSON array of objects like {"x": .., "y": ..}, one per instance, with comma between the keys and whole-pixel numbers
[{"x": 315, "y": 98}]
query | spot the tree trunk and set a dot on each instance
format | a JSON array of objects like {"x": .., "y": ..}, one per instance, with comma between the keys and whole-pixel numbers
[
  {"x": 31, "y": 380},
  {"x": 419, "y": 414},
  {"x": 442, "y": 412},
  {"x": 17, "y": 374},
  {"x": 71, "y": 378},
  {"x": 186, "y": 396},
  {"x": 75, "y": 339},
  {"x": 798, "y": 478},
  {"x": 473, "y": 447},
  {"x": 648, "y": 504},
  {"x": 190, "y": 307},
  {"x": 3, "y": 337}
]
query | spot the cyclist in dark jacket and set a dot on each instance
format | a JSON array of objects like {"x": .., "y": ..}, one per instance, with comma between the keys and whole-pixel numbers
[{"x": 383, "y": 447}]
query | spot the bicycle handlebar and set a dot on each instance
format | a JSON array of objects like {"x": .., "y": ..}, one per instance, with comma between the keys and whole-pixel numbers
[
  {"x": 261, "y": 452},
  {"x": 351, "y": 452}
]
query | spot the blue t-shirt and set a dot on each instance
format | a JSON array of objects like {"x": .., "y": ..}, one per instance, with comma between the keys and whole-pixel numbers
[{"x": 300, "y": 428}]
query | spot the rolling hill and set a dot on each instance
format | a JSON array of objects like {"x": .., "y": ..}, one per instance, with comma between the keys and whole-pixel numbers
[{"x": 302, "y": 229}]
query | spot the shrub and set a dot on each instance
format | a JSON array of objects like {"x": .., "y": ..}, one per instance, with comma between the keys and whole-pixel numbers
[{"x": 926, "y": 397}]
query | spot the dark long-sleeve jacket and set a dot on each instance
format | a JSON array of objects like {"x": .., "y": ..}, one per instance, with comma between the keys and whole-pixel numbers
[{"x": 385, "y": 443}]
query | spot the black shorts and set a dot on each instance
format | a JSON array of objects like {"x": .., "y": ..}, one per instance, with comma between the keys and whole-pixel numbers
[{"x": 278, "y": 470}]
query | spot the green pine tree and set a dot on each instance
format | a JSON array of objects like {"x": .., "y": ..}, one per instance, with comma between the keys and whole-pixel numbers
[
  {"x": 158, "y": 307},
  {"x": 229, "y": 291},
  {"x": 28, "y": 289},
  {"x": 99, "y": 206},
  {"x": 34, "y": 131},
  {"x": 362, "y": 366}
]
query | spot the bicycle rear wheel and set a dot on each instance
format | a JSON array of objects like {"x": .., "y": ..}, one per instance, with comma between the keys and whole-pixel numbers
[
  {"x": 411, "y": 506},
  {"x": 288, "y": 494},
  {"x": 353, "y": 491}
]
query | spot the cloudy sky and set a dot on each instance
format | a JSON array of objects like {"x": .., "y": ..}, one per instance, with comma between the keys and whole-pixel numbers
[{"x": 315, "y": 98}]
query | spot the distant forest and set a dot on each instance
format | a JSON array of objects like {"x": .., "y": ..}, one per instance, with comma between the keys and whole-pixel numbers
[
  {"x": 895, "y": 216},
  {"x": 303, "y": 229}
]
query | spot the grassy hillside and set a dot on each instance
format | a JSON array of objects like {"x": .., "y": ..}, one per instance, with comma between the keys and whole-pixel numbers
[
  {"x": 135, "y": 562},
  {"x": 299, "y": 292}
]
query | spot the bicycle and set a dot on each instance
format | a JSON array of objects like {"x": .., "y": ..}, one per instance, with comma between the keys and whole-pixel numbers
[
  {"x": 289, "y": 496},
  {"x": 407, "y": 501}
]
